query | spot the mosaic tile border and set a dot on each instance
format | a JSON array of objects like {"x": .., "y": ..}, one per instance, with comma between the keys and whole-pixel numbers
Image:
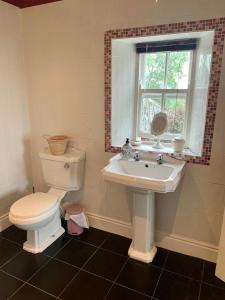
[{"x": 218, "y": 25}]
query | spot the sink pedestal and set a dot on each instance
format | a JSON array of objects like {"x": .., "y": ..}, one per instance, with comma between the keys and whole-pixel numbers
[{"x": 142, "y": 247}]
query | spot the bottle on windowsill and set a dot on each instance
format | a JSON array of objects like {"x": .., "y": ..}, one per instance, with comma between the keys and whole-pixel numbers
[{"x": 126, "y": 149}]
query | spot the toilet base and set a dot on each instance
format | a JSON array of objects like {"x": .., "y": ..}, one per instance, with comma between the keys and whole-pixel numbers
[
  {"x": 31, "y": 248},
  {"x": 40, "y": 239}
]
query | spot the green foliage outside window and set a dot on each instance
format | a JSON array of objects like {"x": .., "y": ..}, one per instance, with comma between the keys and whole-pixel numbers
[{"x": 165, "y": 71}]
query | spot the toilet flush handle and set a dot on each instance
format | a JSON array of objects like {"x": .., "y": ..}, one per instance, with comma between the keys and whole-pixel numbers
[{"x": 66, "y": 166}]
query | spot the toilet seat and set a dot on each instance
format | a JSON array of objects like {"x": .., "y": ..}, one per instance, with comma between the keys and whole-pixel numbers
[{"x": 33, "y": 208}]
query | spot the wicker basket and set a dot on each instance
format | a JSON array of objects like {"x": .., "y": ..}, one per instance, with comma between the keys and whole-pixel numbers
[{"x": 57, "y": 143}]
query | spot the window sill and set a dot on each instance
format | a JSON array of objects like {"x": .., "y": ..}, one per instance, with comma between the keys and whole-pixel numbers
[{"x": 166, "y": 149}]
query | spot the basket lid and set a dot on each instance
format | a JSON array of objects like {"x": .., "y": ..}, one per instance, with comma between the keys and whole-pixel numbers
[
  {"x": 68, "y": 157},
  {"x": 74, "y": 209}
]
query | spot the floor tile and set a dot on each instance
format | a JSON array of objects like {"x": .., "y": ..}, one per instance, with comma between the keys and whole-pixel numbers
[
  {"x": 56, "y": 246},
  {"x": 93, "y": 236},
  {"x": 140, "y": 277},
  {"x": 209, "y": 275},
  {"x": 117, "y": 243},
  {"x": 121, "y": 293},
  {"x": 25, "y": 264},
  {"x": 8, "y": 285},
  {"x": 53, "y": 277},
  {"x": 211, "y": 293},
  {"x": 184, "y": 265},
  {"x": 15, "y": 234},
  {"x": 7, "y": 250},
  {"x": 28, "y": 292},
  {"x": 85, "y": 287},
  {"x": 160, "y": 257},
  {"x": 176, "y": 287},
  {"x": 76, "y": 253},
  {"x": 105, "y": 264}
]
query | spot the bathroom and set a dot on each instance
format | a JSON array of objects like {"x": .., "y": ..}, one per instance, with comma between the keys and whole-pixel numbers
[{"x": 53, "y": 73}]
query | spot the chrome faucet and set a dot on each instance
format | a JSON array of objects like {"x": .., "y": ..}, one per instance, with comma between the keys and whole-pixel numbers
[
  {"x": 159, "y": 159},
  {"x": 137, "y": 156}
]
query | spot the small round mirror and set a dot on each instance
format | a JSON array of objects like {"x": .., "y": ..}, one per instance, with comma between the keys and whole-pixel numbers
[{"x": 159, "y": 124}]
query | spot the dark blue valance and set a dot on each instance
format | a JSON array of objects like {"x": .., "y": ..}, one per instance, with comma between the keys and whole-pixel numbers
[{"x": 171, "y": 45}]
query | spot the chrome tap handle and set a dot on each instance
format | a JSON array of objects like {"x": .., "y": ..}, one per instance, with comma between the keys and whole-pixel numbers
[
  {"x": 137, "y": 156},
  {"x": 159, "y": 159}
]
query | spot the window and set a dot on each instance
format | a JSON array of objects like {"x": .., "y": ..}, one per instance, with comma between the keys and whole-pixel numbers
[
  {"x": 153, "y": 73},
  {"x": 164, "y": 85}
]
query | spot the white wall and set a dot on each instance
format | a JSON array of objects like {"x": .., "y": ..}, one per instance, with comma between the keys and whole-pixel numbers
[
  {"x": 14, "y": 129},
  {"x": 65, "y": 65},
  {"x": 123, "y": 90},
  {"x": 200, "y": 93}
]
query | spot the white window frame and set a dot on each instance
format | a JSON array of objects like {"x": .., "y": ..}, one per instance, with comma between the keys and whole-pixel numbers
[{"x": 140, "y": 92}]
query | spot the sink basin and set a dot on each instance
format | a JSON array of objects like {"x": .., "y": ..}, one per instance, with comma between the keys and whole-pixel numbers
[
  {"x": 145, "y": 174},
  {"x": 144, "y": 177}
]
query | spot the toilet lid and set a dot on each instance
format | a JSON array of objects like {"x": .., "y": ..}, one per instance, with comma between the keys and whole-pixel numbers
[{"x": 33, "y": 205}]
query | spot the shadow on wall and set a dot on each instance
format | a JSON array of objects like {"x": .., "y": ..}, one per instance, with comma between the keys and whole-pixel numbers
[
  {"x": 191, "y": 209},
  {"x": 23, "y": 181},
  {"x": 117, "y": 202}
]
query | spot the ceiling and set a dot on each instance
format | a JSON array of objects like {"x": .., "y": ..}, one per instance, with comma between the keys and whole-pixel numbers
[{"x": 28, "y": 3}]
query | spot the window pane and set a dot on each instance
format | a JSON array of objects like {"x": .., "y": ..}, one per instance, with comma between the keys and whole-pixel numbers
[
  {"x": 150, "y": 105},
  {"x": 178, "y": 69},
  {"x": 154, "y": 70},
  {"x": 175, "y": 106}
]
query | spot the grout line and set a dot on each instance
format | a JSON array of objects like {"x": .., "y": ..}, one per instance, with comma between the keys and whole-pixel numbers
[
  {"x": 164, "y": 264},
  {"x": 96, "y": 275},
  {"x": 11, "y": 241},
  {"x": 68, "y": 284},
  {"x": 17, "y": 290},
  {"x": 202, "y": 273},
  {"x": 97, "y": 248},
  {"x": 133, "y": 290},
  {"x": 26, "y": 282},
  {"x": 87, "y": 261},
  {"x": 12, "y": 276},
  {"x": 160, "y": 275},
  {"x": 163, "y": 268},
  {"x": 65, "y": 262},
  {"x": 10, "y": 259},
  {"x": 113, "y": 252},
  {"x": 200, "y": 291},
  {"x": 114, "y": 282},
  {"x": 182, "y": 275},
  {"x": 62, "y": 248},
  {"x": 38, "y": 288},
  {"x": 213, "y": 285},
  {"x": 41, "y": 267},
  {"x": 82, "y": 268}
]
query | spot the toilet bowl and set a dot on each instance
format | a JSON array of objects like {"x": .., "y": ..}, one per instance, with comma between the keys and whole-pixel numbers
[{"x": 39, "y": 213}]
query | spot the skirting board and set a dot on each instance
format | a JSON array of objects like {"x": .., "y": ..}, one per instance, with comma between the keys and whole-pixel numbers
[
  {"x": 4, "y": 222},
  {"x": 165, "y": 240}
]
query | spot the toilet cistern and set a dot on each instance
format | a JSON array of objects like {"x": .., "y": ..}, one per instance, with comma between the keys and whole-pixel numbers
[{"x": 39, "y": 213}]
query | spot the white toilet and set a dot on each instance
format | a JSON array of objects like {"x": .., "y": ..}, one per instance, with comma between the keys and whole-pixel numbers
[{"x": 39, "y": 213}]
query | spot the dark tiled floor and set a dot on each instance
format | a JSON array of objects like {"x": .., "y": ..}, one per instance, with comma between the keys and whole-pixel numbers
[
  {"x": 14, "y": 234},
  {"x": 96, "y": 266},
  {"x": 184, "y": 265}
]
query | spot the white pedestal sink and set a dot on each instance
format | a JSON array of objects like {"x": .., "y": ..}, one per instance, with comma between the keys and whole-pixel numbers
[{"x": 144, "y": 178}]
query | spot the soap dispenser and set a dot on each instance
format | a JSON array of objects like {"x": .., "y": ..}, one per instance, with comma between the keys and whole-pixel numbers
[{"x": 126, "y": 149}]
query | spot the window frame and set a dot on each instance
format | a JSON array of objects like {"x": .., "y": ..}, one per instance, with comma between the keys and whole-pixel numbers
[{"x": 147, "y": 137}]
